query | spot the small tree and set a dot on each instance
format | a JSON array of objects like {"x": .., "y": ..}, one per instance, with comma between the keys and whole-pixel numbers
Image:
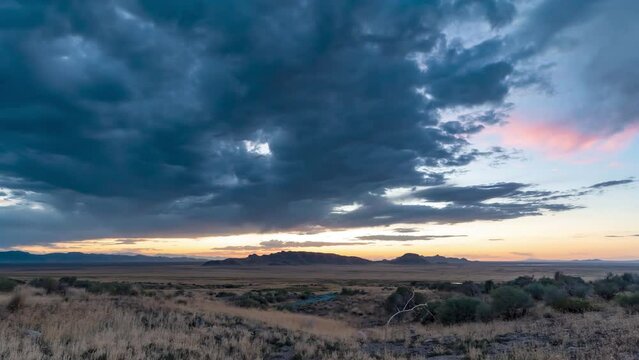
[{"x": 511, "y": 302}]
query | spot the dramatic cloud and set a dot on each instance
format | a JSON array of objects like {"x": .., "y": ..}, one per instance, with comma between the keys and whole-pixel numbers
[
  {"x": 594, "y": 81},
  {"x": 282, "y": 245},
  {"x": 161, "y": 118},
  {"x": 406, "y": 237}
]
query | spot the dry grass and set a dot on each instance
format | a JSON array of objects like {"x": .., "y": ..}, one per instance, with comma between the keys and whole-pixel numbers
[
  {"x": 77, "y": 325},
  {"x": 314, "y": 325},
  {"x": 99, "y": 327},
  {"x": 182, "y": 321}
]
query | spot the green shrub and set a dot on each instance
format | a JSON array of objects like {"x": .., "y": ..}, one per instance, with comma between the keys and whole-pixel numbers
[
  {"x": 572, "y": 305},
  {"x": 607, "y": 289},
  {"x": 7, "y": 285},
  {"x": 251, "y": 299},
  {"x": 350, "y": 292},
  {"x": 629, "y": 301},
  {"x": 111, "y": 288},
  {"x": 522, "y": 281},
  {"x": 457, "y": 310},
  {"x": 121, "y": 289},
  {"x": 553, "y": 294},
  {"x": 262, "y": 298},
  {"x": 578, "y": 290},
  {"x": 50, "y": 285},
  {"x": 484, "y": 312},
  {"x": 68, "y": 280},
  {"x": 574, "y": 285},
  {"x": 510, "y": 302},
  {"x": 546, "y": 281},
  {"x": 536, "y": 290},
  {"x": 489, "y": 285},
  {"x": 469, "y": 288}
]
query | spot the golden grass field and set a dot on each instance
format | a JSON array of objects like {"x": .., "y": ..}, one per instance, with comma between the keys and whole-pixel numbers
[{"x": 182, "y": 317}]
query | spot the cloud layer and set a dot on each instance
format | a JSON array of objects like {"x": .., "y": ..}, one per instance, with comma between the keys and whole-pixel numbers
[{"x": 184, "y": 118}]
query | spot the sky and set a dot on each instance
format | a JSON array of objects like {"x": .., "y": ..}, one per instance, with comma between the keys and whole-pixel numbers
[{"x": 486, "y": 129}]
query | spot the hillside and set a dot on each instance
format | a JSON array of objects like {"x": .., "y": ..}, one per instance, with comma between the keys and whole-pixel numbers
[
  {"x": 311, "y": 258},
  {"x": 292, "y": 258},
  {"x": 22, "y": 257},
  {"x": 416, "y": 259}
]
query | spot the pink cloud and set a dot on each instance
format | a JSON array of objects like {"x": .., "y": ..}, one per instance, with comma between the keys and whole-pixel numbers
[{"x": 558, "y": 140}]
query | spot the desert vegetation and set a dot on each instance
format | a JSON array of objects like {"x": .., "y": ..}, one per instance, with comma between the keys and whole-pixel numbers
[{"x": 558, "y": 317}]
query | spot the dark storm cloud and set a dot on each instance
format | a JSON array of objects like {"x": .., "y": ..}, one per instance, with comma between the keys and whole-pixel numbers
[
  {"x": 606, "y": 184},
  {"x": 281, "y": 245},
  {"x": 183, "y": 118},
  {"x": 382, "y": 237}
]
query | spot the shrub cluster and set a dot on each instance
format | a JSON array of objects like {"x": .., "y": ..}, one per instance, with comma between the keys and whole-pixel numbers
[
  {"x": 51, "y": 285},
  {"x": 262, "y": 298},
  {"x": 7, "y": 285},
  {"x": 629, "y": 301},
  {"x": 350, "y": 292},
  {"x": 513, "y": 299},
  {"x": 510, "y": 302},
  {"x": 457, "y": 310},
  {"x": 612, "y": 285},
  {"x": 572, "y": 305}
]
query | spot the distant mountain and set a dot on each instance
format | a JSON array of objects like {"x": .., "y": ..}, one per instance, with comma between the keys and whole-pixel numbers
[
  {"x": 21, "y": 257},
  {"x": 416, "y": 259},
  {"x": 292, "y": 258},
  {"x": 311, "y": 258}
]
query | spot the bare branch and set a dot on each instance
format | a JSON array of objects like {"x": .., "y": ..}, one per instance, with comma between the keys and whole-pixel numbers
[{"x": 405, "y": 310}]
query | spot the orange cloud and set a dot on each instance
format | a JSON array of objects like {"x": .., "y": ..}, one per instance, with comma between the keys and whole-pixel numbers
[{"x": 558, "y": 140}]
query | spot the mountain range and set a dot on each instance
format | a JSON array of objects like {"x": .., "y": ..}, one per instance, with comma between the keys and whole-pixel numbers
[
  {"x": 278, "y": 258},
  {"x": 22, "y": 257},
  {"x": 311, "y": 258}
]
